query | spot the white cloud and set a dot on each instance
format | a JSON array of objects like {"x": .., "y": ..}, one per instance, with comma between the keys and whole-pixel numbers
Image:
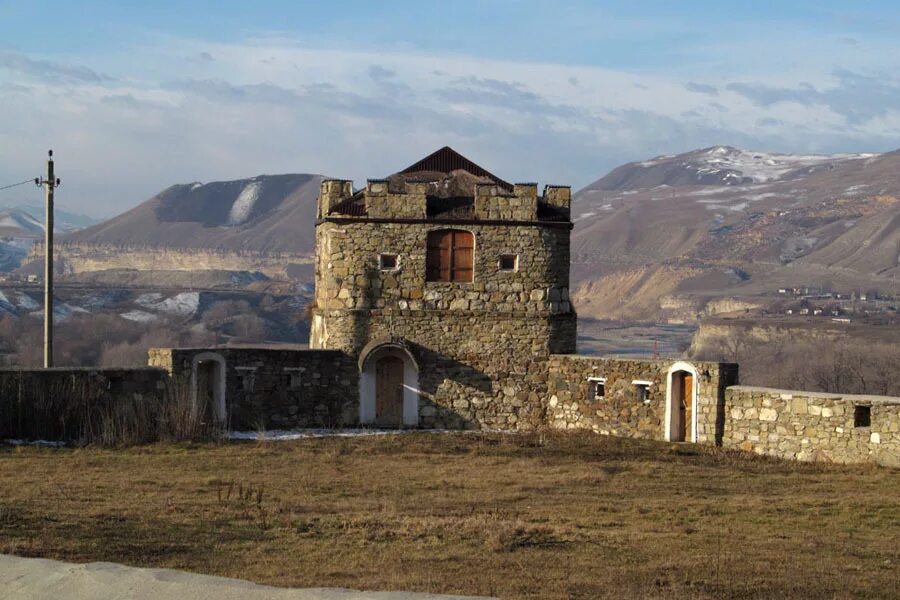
[{"x": 269, "y": 106}]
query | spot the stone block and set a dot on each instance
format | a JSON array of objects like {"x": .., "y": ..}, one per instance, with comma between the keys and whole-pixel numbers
[{"x": 768, "y": 414}]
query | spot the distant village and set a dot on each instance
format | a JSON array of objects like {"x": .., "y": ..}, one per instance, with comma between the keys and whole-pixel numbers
[{"x": 838, "y": 306}]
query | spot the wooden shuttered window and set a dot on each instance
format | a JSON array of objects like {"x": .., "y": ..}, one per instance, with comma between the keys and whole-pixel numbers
[{"x": 450, "y": 257}]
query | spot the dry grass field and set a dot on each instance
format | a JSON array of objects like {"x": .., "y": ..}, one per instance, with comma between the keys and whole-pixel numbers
[{"x": 563, "y": 516}]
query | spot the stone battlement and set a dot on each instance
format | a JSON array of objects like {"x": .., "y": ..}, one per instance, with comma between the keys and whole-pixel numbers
[{"x": 385, "y": 199}]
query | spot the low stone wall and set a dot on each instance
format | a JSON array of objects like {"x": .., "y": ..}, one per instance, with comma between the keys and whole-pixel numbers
[
  {"x": 274, "y": 388},
  {"x": 813, "y": 426},
  {"x": 620, "y": 412},
  {"x": 74, "y": 404}
]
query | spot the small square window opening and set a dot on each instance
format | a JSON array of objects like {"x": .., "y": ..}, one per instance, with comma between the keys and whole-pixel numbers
[
  {"x": 862, "y": 416},
  {"x": 509, "y": 262},
  {"x": 388, "y": 262},
  {"x": 641, "y": 391},
  {"x": 294, "y": 378},
  {"x": 247, "y": 376},
  {"x": 596, "y": 388}
]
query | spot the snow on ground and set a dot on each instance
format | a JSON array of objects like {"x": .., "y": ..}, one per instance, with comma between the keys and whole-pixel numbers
[
  {"x": 61, "y": 312},
  {"x": 766, "y": 166},
  {"x": 283, "y": 435},
  {"x": 17, "y": 219},
  {"x": 6, "y": 305},
  {"x": 184, "y": 304},
  {"x": 148, "y": 300},
  {"x": 855, "y": 190},
  {"x": 656, "y": 160},
  {"x": 139, "y": 316},
  {"x": 731, "y": 190},
  {"x": 48, "y": 443},
  {"x": 732, "y": 207},
  {"x": 243, "y": 205},
  {"x": 280, "y": 435},
  {"x": 100, "y": 300},
  {"x": 26, "y": 302}
]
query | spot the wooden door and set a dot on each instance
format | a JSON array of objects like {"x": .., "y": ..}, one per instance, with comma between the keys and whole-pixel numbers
[
  {"x": 389, "y": 391},
  {"x": 687, "y": 400}
]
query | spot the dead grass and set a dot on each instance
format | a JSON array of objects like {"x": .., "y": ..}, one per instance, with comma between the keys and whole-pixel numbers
[{"x": 576, "y": 516}]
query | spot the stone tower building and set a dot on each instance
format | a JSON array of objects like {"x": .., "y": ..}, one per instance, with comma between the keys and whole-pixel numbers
[{"x": 450, "y": 287}]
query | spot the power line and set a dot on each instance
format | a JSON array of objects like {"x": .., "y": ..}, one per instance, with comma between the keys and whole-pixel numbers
[{"x": 12, "y": 185}]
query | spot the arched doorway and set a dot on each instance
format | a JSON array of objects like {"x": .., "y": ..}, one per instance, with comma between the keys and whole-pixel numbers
[
  {"x": 681, "y": 403},
  {"x": 388, "y": 386},
  {"x": 208, "y": 387}
]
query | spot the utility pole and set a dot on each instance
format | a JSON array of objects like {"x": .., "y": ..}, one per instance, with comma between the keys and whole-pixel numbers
[{"x": 50, "y": 184}]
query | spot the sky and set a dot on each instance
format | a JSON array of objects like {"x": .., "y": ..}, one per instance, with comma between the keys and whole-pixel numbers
[{"x": 134, "y": 97}]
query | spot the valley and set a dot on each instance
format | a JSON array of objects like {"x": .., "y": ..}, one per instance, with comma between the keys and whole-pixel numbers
[{"x": 664, "y": 252}]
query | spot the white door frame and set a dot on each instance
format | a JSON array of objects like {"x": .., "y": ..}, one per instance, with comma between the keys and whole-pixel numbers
[
  {"x": 219, "y": 410},
  {"x": 691, "y": 433},
  {"x": 367, "y": 385}
]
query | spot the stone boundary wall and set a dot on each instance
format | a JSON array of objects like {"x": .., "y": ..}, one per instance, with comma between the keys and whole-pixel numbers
[
  {"x": 620, "y": 412},
  {"x": 811, "y": 426},
  {"x": 273, "y": 388},
  {"x": 69, "y": 404}
]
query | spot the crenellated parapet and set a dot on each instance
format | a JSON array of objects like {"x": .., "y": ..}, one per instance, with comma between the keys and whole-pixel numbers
[
  {"x": 331, "y": 193},
  {"x": 384, "y": 202},
  {"x": 559, "y": 198},
  {"x": 494, "y": 203}
]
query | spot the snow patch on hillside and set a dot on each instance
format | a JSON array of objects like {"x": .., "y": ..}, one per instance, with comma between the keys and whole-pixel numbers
[
  {"x": 20, "y": 221},
  {"x": 139, "y": 316},
  {"x": 184, "y": 304},
  {"x": 765, "y": 166},
  {"x": 243, "y": 205},
  {"x": 148, "y": 300},
  {"x": 180, "y": 305},
  {"x": 61, "y": 312},
  {"x": 6, "y": 305},
  {"x": 26, "y": 302}
]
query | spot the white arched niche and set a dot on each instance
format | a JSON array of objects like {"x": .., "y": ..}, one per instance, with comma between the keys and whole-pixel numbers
[
  {"x": 673, "y": 399},
  {"x": 367, "y": 385},
  {"x": 218, "y": 383}
]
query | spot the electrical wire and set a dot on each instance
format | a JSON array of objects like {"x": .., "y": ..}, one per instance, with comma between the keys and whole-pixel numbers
[{"x": 12, "y": 185}]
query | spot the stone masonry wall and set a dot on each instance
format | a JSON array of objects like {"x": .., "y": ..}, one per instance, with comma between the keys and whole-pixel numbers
[
  {"x": 473, "y": 373},
  {"x": 812, "y": 426},
  {"x": 619, "y": 413},
  {"x": 348, "y": 274},
  {"x": 277, "y": 388}
]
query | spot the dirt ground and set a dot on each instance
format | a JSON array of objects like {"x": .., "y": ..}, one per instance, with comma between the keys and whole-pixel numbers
[{"x": 516, "y": 516}]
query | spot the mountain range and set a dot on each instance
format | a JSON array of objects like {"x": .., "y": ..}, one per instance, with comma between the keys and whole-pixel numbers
[
  {"x": 670, "y": 237},
  {"x": 676, "y": 232},
  {"x": 267, "y": 213},
  {"x": 27, "y": 221}
]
